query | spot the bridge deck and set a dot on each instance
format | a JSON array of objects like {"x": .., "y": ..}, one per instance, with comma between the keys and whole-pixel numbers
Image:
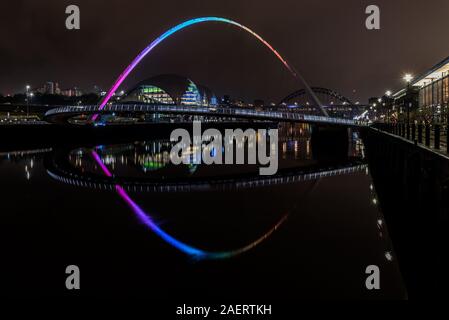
[{"x": 61, "y": 114}]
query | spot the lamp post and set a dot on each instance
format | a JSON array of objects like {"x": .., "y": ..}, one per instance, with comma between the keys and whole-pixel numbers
[
  {"x": 388, "y": 95},
  {"x": 27, "y": 98},
  {"x": 408, "y": 78},
  {"x": 31, "y": 97}
]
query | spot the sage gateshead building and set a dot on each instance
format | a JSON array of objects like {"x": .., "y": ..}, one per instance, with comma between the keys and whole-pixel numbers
[
  {"x": 430, "y": 90},
  {"x": 171, "y": 90}
]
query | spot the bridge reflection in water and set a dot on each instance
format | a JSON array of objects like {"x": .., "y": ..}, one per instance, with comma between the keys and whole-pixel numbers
[
  {"x": 202, "y": 185},
  {"x": 161, "y": 160},
  {"x": 154, "y": 157},
  {"x": 273, "y": 233}
]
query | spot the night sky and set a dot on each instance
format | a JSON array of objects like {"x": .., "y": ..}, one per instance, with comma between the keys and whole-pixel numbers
[{"x": 326, "y": 41}]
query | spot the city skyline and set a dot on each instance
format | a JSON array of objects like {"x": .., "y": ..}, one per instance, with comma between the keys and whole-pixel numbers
[{"x": 363, "y": 65}]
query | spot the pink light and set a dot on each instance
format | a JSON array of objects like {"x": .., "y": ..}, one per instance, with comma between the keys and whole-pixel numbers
[{"x": 101, "y": 164}]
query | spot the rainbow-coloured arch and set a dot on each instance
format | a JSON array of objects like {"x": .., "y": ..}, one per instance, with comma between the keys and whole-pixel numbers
[
  {"x": 194, "y": 252},
  {"x": 167, "y": 34}
]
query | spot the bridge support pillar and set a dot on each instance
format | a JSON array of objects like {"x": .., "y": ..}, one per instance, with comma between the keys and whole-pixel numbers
[
  {"x": 413, "y": 132},
  {"x": 427, "y": 135},
  {"x": 330, "y": 142}
]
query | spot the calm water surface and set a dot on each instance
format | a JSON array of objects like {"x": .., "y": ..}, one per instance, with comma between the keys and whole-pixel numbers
[{"x": 194, "y": 232}]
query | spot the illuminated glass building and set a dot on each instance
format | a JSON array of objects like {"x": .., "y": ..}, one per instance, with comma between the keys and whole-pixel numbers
[
  {"x": 153, "y": 94},
  {"x": 433, "y": 91},
  {"x": 170, "y": 89}
]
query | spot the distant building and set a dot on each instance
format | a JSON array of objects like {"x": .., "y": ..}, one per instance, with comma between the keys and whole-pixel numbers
[
  {"x": 73, "y": 92},
  {"x": 52, "y": 88},
  {"x": 49, "y": 88},
  {"x": 406, "y": 101},
  {"x": 428, "y": 94},
  {"x": 170, "y": 89},
  {"x": 207, "y": 96}
]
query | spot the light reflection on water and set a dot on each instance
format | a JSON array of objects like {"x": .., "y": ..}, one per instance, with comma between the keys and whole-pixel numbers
[{"x": 333, "y": 221}]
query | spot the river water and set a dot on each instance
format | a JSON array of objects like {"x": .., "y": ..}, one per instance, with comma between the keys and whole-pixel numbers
[{"x": 194, "y": 232}]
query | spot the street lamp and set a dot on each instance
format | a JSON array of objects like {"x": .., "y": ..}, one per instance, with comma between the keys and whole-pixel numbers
[
  {"x": 27, "y": 97},
  {"x": 408, "y": 78},
  {"x": 388, "y": 94}
]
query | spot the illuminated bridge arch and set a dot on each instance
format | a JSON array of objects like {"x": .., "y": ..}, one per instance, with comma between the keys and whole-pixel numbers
[
  {"x": 186, "y": 24},
  {"x": 327, "y": 96}
]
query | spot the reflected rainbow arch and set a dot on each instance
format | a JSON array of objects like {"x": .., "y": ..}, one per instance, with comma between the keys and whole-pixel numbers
[
  {"x": 193, "y": 252},
  {"x": 172, "y": 31}
]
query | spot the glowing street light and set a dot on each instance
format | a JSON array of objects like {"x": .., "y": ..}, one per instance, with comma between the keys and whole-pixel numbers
[
  {"x": 388, "y": 94},
  {"x": 408, "y": 77},
  {"x": 28, "y": 98}
]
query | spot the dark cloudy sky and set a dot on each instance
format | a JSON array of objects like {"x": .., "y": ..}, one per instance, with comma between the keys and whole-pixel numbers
[{"x": 325, "y": 40}]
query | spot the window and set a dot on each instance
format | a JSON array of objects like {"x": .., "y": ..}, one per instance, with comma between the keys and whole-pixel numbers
[
  {"x": 153, "y": 94},
  {"x": 192, "y": 96}
]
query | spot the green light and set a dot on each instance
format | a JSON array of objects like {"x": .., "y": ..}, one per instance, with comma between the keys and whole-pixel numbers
[{"x": 153, "y": 165}]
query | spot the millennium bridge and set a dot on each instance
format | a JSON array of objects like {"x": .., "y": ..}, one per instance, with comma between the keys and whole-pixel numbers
[{"x": 64, "y": 113}]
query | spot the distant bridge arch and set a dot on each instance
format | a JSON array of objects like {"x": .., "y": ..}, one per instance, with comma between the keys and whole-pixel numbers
[{"x": 327, "y": 97}]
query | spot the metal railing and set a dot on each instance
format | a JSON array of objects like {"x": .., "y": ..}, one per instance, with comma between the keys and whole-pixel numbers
[
  {"x": 207, "y": 185},
  {"x": 435, "y": 136},
  {"x": 209, "y": 111}
]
